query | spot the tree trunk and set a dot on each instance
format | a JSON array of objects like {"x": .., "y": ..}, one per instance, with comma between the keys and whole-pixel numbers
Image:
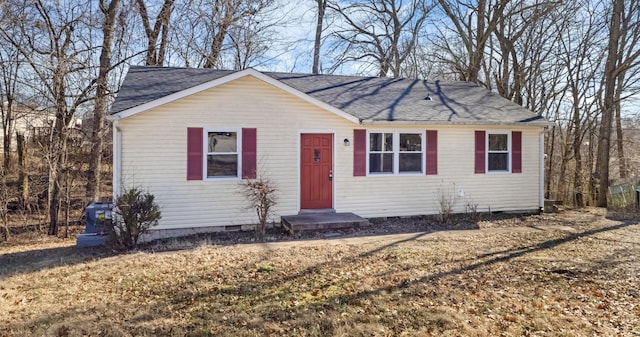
[
  {"x": 163, "y": 40},
  {"x": 57, "y": 176},
  {"x": 98, "y": 122},
  {"x": 4, "y": 197},
  {"x": 7, "y": 130},
  {"x": 549, "y": 163},
  {"x": 604, "y": 141},
  {"x": 622, "y": 163},
  {"x": 577, "y": 155},
  {"x": 58, "y": 148},
  {"x": 216, "y": 47},
  {"x": 54, "y": 207},
  {"x": 23, "y": 177},
  {"x": 67, "y": 200},
  {"x": 322, "y": 7},
  {"x": 155, "y": 55},
  {"x": 591, "y": 186},
  {"x": 561, "y": 184},
  {"x": 476, "y": 57}
]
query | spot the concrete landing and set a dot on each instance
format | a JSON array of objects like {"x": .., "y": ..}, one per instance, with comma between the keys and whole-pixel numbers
[
  {"x": 321, "y": 220},
  {"x": 90, "y": 240}
]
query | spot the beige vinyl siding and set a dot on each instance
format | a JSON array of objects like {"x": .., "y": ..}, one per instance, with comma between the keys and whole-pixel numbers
[
  {"x": 154, "y": 157},
  {"x": 154, "y": 150},
  {"x": 378, "y": 196}
]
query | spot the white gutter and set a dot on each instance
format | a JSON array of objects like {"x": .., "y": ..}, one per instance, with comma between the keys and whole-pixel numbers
[
  {"x": 117, "y": 159},
  {"x": 542, "y": 169},
  {"x": 461, "y": 123}
]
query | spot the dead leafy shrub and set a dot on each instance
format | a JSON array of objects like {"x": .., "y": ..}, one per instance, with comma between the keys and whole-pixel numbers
[
  {"x": 261, "y": 196},
  {"x": 135, "y": 213},
  {"x": 446, "y": 202},
  {"x": 472, "y": 211}
]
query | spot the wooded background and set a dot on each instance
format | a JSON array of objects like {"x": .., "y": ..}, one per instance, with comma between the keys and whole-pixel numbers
[{"x": 62, "y": 62}]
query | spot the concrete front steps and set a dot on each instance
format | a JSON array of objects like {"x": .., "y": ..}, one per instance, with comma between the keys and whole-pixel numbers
[{"x": 321, "y": 219}]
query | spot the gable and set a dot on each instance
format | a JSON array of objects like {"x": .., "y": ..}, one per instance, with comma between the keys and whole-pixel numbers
[{"x": 139, "y": 95}]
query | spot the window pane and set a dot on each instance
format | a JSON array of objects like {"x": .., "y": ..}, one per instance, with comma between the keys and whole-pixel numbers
[
  {"x": 498, "y": 142},
  {"x": 410, "y": 162},
  {"x": 222, "y": 142},
  {"x": 381, "y": 142},
  {"x": 381, "y": 162},
  {"x": 222, "y": 165},
  {"x": 388, "y": 141},
  {"x": 498, "y": 162},
  {"x": 410, "y": 142},
  {"x": 375, "y": 142}
]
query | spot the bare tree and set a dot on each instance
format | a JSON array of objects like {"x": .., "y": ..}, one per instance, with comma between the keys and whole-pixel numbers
[
  {"x": 224, "y": 33},
  {"x": 322, "y": 8},
  {"x": 110, "y": 12},
  {"x": 629, "y": 45},
  {"x": 621, "y": 56},
  {"x": 23, "y": 175},
  {"x": 247, "y": 44},
  {"x": 384, "y": 33},
  {"x": 426, "y": 62},
  {"x": 10, "y": 63},
  {"x": 156, "y": 53},
  {"x": 475, "y": 21},
  {"x": 627, "y": 87},
  {"x": 253, "y": 40},
  {"x": 4, "y": 200},
  {"x": 220, "y": 17},
  {"x": 50, "y": 38},
  {"x": 516, "y": 61},
  {"x": 582, "y": 66}
]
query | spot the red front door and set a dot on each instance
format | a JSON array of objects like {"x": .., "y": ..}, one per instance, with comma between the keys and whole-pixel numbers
[{"x": 316, "y": 171}]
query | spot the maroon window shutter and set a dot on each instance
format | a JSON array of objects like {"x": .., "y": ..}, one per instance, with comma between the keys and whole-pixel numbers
[
  {"x": 249, "y": 161},
  {"x": 516, "y": 148},
  {"x": 432, "y": 152},
  {"x": 480, "y": 152},
  {"x": 359, "y": 153},
  {"x": 194, "y": 153}
]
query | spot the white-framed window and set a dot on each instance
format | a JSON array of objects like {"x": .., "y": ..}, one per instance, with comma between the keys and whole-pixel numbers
[
  {"x": 381, "y": 152},
  {"x": 222, "y": 156},
  {"x": 498, "y": 151},
  {"x": 410, "y": 158},
  {"x": 395, "y": 152}
]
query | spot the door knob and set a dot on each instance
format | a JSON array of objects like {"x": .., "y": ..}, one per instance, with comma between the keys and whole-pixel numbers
[{"x": 330, "y": 174}]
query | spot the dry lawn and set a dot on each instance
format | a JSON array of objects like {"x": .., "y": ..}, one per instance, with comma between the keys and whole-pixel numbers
[{"x": 573, "y": 274}]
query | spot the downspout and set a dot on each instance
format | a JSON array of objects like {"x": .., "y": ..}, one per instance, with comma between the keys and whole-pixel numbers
[
  {"x": 117, "y": 159},
  {"x": 542, "y": 158}
]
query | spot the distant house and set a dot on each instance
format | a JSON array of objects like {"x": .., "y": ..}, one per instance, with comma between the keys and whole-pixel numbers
[
  {"x": 25, "y": 119},
  {"x": 35, "y": 123},
  {"x": 377, "y": 147}
]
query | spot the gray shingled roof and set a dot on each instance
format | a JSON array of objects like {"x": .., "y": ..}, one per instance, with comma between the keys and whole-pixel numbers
[{"x": 370, "y": 99}]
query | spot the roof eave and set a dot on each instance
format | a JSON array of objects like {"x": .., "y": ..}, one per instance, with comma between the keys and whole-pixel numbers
[{"x": 541, "y": 124}]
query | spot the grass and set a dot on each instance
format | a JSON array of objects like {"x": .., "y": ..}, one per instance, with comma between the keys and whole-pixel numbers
[{"x": 577, "y": 281}]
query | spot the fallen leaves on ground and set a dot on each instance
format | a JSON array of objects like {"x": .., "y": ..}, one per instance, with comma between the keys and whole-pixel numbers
[{"x": 573, "y": 274}]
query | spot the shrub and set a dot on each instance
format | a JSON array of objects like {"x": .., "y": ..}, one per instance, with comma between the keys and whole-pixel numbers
[
  {"x": 472, "y": 211},
  {"x": 135, "y": 213},
  {"x": 446, "y": 201},
  {"x": 260, "y": 195}
]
